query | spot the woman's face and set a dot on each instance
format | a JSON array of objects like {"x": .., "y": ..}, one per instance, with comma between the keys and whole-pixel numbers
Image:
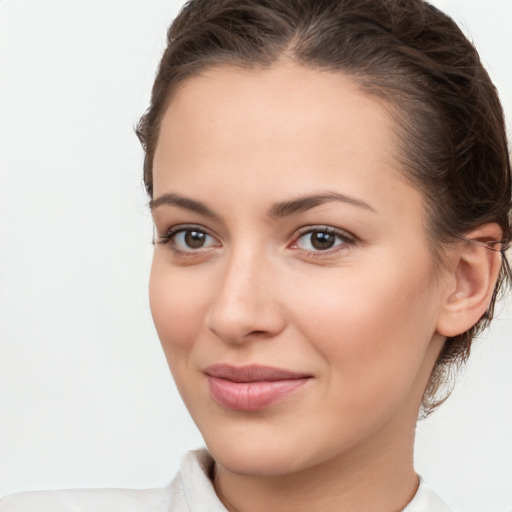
[{"x": 292, "y": 285}]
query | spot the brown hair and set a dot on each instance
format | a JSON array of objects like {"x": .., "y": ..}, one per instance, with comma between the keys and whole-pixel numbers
[{"x": 454, "y": 146}]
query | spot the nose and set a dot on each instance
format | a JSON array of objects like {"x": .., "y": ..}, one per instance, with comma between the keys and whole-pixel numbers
[{"x": 246, "y": 306}]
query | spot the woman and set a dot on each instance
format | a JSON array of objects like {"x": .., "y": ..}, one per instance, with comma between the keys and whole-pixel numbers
[{"x": 330, "y": 187}]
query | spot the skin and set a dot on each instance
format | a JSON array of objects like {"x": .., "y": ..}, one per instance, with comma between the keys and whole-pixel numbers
[{"x": 364, "y": 318}]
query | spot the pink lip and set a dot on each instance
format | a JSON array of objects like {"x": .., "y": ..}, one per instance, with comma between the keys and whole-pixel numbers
[{"x": 250, "y": 388}]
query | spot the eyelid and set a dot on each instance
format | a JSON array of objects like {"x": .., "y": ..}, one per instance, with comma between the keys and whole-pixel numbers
[
  {"x": 167, "y": 238},
  {"x": 325, "y": 227},
  {"x": 348, "y": 239}
]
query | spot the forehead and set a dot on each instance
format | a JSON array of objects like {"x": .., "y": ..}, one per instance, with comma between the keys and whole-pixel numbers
[
  {"x": 286, "y": 127},
  {"x": 284, "y": 101}
]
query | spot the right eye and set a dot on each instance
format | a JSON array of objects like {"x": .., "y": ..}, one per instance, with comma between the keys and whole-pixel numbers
[{"x": 188, "y": 239}]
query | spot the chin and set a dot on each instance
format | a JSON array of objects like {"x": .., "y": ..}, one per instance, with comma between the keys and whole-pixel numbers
[{"x": 255, "y": 458}]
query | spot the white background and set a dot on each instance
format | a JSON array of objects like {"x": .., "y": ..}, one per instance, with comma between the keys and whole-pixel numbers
[{"x": 86, "y": 399}]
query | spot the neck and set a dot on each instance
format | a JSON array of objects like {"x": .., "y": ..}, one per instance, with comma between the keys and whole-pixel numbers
[{"x": 377, "y": 476}]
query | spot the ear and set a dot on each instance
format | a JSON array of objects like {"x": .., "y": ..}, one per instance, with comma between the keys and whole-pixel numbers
[{"x": 472, "y": 272}]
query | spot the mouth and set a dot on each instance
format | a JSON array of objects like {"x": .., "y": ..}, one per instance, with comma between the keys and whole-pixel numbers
[{"x": 251, "y": 388}]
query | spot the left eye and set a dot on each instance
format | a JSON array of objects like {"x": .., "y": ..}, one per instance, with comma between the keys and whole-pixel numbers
[{"x": 321, "y": 240}]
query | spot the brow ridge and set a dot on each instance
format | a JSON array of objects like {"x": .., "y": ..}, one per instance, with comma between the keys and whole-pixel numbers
[
  {"x": 302, "y": 204},
  {"x": 278, "y": 210},
  {"x": 182, "y": 202}
]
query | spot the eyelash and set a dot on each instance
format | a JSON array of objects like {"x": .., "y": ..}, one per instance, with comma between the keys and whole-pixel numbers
[
  {"x": 168, "y": 238},
  {"x": 347, "y": 240}
]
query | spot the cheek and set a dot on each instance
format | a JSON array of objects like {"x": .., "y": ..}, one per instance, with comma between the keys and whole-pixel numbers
[
  {"x": 371, "y": 324},
  {"x": 177, "y": 302}
]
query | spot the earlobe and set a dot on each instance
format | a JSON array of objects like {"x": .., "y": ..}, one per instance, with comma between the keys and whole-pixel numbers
[{"x": 473, "y": 272}]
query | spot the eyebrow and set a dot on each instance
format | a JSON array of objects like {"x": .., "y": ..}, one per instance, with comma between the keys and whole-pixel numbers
[
  {"x": 278, "y": 210},
  {"x": 302, "y": 204},
  {"x": 182, "y": 202}
]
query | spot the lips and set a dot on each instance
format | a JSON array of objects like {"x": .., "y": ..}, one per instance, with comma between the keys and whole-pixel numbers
[{"x": 251, "y": 388}]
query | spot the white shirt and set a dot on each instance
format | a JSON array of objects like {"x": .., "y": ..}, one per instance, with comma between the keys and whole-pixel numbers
[{"x": 190, "y": 491}]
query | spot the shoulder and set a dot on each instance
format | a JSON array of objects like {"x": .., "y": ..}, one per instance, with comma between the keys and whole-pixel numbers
[{"x": 191, "y": 490}]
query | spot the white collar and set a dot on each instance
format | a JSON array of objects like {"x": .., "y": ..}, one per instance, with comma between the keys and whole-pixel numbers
[{"x": 196, "y": 468}]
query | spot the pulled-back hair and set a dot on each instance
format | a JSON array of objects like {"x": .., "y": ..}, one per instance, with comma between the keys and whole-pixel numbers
[{"x": 453, "y": 144}]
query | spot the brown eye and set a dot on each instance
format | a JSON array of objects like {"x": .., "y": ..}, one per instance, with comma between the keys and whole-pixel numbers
[
  {"x": 183, "y": 239},
  {"x": 194, "y": 239},
  {"x": 322, "y": 239}
]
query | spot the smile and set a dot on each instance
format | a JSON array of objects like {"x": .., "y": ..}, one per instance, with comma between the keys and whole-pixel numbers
[{"x": 251, "y": 388}]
